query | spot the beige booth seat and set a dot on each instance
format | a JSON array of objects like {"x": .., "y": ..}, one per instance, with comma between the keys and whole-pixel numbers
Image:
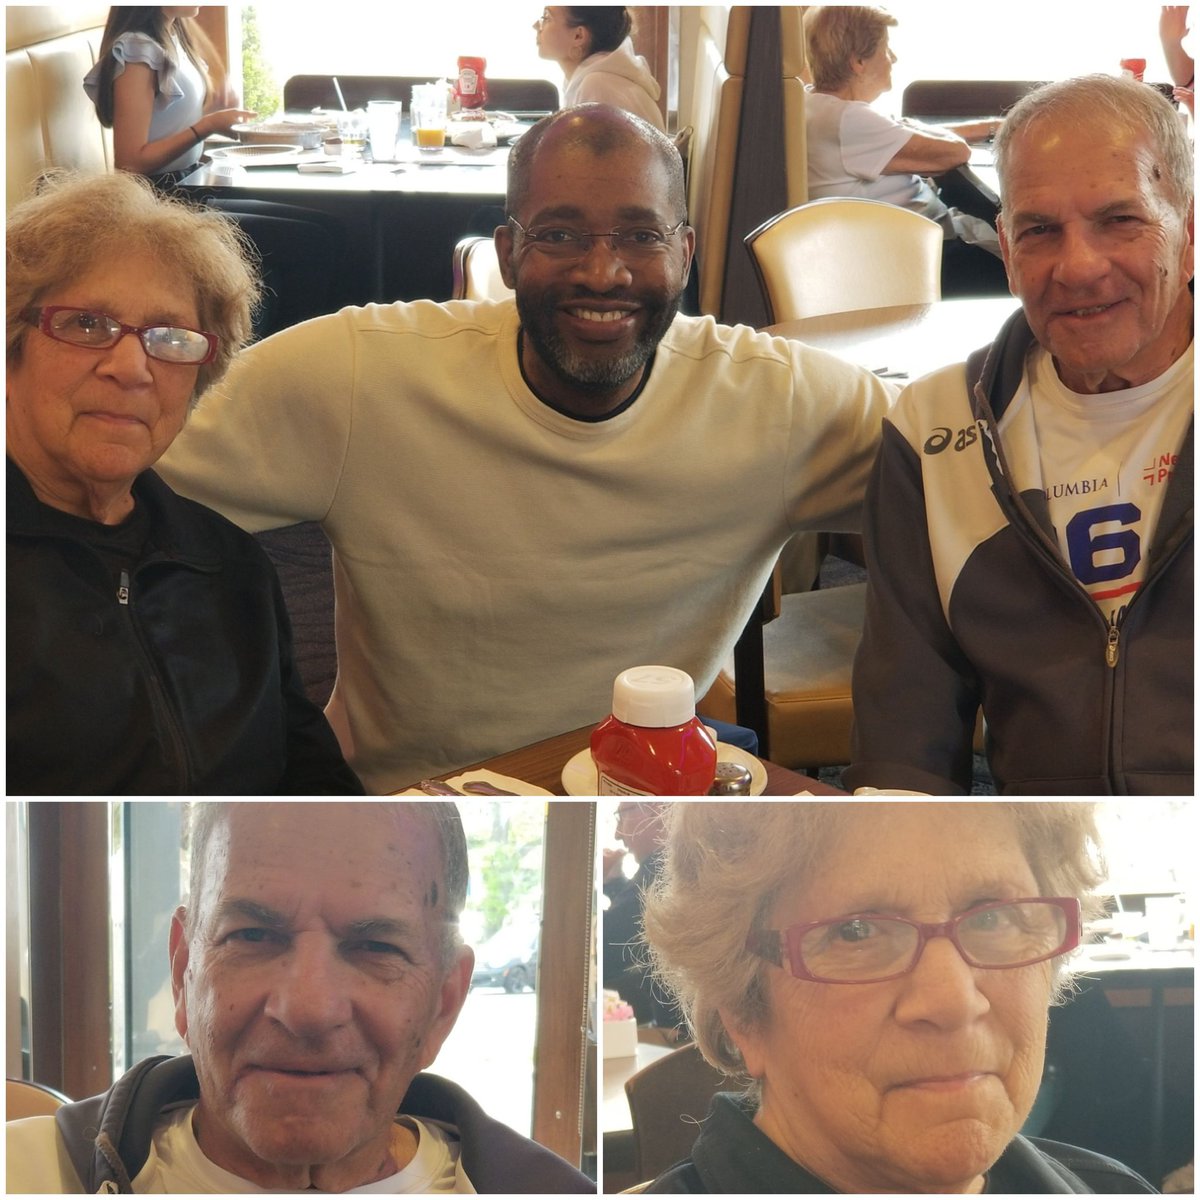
[
  {"x": 49, "y": 120},
  {"x": 713, "y": 110}
]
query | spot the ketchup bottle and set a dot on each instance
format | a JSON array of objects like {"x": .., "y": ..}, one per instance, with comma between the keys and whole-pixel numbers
[
  {"x": 654, "y": 744},
  {"x": 471, "y": 86}
]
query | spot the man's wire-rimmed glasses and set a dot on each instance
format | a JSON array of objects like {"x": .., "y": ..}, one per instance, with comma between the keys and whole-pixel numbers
[
  {"x": 98, "y": 331},
  {"x": 866, "y": 948},
  {"x": 633, "y": 243}
]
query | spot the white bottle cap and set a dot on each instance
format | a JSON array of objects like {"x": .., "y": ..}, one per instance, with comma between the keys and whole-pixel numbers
[{"x": 656, "y": 697}]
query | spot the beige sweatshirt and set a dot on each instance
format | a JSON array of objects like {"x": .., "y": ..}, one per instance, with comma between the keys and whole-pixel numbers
[{"x": 498, "y": 563}]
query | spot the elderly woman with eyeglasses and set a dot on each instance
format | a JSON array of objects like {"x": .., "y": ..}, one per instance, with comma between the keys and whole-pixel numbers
[
  {"x": 149, "y": 649},
  {"x": 881, "y": 974}
]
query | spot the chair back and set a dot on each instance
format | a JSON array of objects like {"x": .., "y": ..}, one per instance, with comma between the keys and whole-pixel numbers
[
  {"x": 722, "y": 41},
  {"x": 25, "y": 1099},
  {"x": 842, "y": 255},
  {"x": 748, "y": 153},
  {"x": 477, "y": 271},
  {"x": 667, "y": 1099},
  {"x": 946, "y": 99},
  {"x": 795, "y": 127}
]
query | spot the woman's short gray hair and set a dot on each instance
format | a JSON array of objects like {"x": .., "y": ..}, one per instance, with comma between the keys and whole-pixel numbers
[
  {"x": 75, "y": 221},
  {"x": 206, "y": 815},
  {"x": 1106, "y": 102},
  {"x": 836, "y": 34},
  {"x": 725, "y": 865}
]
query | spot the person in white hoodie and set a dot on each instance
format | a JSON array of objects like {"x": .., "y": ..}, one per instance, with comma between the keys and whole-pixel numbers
[{"x": 594, "y": 49}]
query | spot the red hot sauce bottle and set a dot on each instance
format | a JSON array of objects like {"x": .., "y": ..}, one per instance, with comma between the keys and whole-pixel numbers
[{"x": 653, "y": 744}]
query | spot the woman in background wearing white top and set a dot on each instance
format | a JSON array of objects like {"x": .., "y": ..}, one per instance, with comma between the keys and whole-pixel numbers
[
  {"x": 154, "y": 86},
  {"x": 855, "y": 151},
  {"x": 595, "y": 51}
]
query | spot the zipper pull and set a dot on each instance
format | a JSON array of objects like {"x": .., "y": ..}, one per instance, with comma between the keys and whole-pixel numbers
[
  {"x": 1110, "y": 651},
  {"x": 123, "y": 589}
]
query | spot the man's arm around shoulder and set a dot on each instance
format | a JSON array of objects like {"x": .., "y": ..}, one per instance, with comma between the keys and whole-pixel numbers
[{"x": 266, "y": 445}]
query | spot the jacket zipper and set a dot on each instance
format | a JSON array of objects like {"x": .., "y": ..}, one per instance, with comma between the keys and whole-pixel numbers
[
  {"x": 158, "y": 696},
  {"x": 1112, "y": 649}
]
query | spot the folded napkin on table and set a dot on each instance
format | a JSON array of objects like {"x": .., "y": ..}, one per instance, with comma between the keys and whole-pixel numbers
[{"x": 473, "y": 135}]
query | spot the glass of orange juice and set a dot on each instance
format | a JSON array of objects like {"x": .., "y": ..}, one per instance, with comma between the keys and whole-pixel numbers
[{"x": 429, "y": 115}]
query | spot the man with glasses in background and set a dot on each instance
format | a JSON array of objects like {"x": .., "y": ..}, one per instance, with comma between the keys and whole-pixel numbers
[
  {"x": 316, "y": 969},
  {"x": 526, "y": 498}
]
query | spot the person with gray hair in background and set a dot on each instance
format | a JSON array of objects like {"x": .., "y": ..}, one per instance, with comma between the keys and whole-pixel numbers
[
  {"x": 1029, "y": 523},
  {"x": 878, "y": 976},
  {"x": 856, "y": 151},
  {"x": 317, "y": 968}
]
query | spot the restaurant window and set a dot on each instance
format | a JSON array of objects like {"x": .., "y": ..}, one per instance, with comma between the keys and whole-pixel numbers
[
  {"x": 396, "y": 39},
  {"x": 969, "y": 42},
  {"x": 490, "y": 1051}
]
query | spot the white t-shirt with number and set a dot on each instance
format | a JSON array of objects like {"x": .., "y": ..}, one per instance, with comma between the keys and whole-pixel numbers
[{"x": 1103, "y": 463}]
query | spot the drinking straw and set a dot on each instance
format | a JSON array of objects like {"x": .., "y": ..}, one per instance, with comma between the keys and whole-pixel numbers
[{"x": 337, "y": 87}]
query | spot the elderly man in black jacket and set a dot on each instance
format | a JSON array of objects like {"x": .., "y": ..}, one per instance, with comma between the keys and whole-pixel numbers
[{"x": 316, "y": 969}]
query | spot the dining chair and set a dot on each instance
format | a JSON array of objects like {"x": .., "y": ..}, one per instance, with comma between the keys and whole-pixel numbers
[
  {"x": 477, "y": 271},
  {"x": 747, "y": 147},
  {"x": 788, "y": 677},
  {"x": 837, "y": 255},
  {"x": 836, "y": 261},
  {"x": 25, "y": 1099},
  {"x": 667, "y": 1100}
]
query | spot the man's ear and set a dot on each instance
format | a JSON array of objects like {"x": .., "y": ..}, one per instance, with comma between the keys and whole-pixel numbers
[
  {"x": 179, "y": 951},
  {"x": 1005, "y": 250},
  {"x": 451, "y": 997},
  {"x": 689, "y": 250},
  {"x": 503, "y": 237}
]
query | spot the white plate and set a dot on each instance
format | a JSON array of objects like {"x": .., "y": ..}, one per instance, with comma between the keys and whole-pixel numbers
[
  {"x": 579, "y": 775},
  {"x": 308, "y": 136},
  {"x": 262, "y": 155}
]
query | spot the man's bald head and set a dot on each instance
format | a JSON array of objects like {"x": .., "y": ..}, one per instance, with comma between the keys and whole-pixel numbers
[{"x": 601, "y": 129}]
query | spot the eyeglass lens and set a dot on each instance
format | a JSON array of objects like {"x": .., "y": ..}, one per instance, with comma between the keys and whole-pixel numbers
[
  {"x": 867, "y": 947},
  {"x": 169, "y": 343},
  {"x": 642, "y": 242}
]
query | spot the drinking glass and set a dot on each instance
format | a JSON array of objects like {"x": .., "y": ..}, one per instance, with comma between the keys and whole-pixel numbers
[
  {"x": 429, "y": 116},
  {"x": 352, "y": 129},
  {"x": 383, "y": 124}
]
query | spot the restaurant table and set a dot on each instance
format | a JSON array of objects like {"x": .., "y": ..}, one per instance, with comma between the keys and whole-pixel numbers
[
  {"x": 402, "y": 219},
  {"x": 908, "y": 341},
  {"x": 542, "y": 762},
  {"x": 614, "y": 1104}
]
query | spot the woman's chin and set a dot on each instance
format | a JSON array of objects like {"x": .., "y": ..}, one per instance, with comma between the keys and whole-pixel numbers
[{"x": 955, "y": 1159}]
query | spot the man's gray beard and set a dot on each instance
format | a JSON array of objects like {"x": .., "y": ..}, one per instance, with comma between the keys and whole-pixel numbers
[{"x": 590, "y": 374}]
